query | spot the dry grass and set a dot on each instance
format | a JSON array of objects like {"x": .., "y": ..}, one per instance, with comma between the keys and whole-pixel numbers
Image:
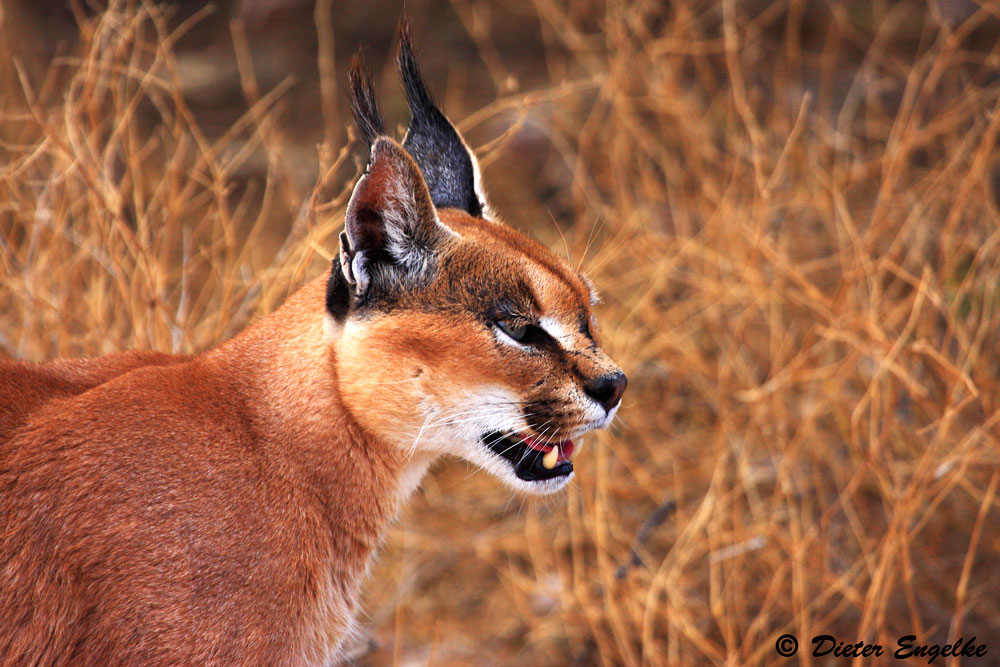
[{"x": 792, "y": 213}]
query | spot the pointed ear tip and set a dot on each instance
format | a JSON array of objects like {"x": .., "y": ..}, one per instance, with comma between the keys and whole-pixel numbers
[{"x": 405, "y": 51}]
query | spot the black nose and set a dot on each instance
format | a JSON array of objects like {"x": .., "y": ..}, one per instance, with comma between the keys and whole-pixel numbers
[{"x": 607, "y": 389}]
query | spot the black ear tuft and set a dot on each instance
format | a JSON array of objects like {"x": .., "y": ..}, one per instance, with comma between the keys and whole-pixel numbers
[
  {"x": 363, "y": 102},
  {"x": 444, "y": 160}
]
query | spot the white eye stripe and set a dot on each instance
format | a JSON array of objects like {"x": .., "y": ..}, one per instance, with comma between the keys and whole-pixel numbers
[{"x": 556, "y": 330}]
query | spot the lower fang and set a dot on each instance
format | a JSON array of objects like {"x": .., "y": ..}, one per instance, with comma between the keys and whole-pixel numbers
[{"x": 550, "y": 458}]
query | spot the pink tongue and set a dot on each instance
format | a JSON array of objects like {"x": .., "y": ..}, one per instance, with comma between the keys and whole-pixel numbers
[{"x": 565, "y": 448}]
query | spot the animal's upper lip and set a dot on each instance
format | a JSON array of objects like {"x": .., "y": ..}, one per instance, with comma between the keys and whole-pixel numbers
[
  {"x": 566, "y": 447},
  {"x": 526, "y": 454}
]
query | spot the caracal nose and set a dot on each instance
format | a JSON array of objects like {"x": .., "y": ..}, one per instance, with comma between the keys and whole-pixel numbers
[{"x": 607, "y": 389}]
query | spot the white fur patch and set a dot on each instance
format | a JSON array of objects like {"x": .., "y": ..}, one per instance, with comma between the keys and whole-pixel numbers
[
  {"x": 458, "y": 432},
  {"x": 331, "y": 327},
  {"x": 477, "y": 182},
  {"x": 555, "y": 329},
  {"x": 413, "y": 473}
]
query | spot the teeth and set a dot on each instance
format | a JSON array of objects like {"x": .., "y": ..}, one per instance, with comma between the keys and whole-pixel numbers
[{"x": 551, "y": 457}]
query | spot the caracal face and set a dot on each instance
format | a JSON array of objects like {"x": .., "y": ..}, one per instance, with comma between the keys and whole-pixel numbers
[{"x": 494, "y": 360}]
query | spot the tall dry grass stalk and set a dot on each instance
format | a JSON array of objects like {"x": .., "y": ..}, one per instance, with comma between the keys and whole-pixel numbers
[
  {"x": 122, "y": 225},
  {"x": 791, "y": 212}
]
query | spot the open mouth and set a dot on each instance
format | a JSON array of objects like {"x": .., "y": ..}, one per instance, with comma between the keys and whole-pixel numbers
[{"x": 532, "y": 460}]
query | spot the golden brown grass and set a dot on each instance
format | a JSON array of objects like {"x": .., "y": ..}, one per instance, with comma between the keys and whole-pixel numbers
[{"x": 792, "y": 214}]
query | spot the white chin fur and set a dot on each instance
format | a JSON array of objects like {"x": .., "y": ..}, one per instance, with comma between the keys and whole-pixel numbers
[
  {"x": 459, "y": 435},
  {"x": 611, "y": 416}
]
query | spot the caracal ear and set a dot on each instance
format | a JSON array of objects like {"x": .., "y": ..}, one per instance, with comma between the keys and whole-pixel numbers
[
  {"x": 392, "y": 229},
  {"x": 447, "y": 163}
]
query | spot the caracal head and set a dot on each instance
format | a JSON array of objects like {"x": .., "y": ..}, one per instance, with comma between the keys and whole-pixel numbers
[{"x": 456, "y": 334}]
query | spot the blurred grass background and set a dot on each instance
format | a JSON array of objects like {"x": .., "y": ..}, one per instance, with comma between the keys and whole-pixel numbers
[{"x": 790, "y": 208}]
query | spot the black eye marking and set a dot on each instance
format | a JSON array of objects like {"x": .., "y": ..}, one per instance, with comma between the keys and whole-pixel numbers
[{"x": 586, "y": 326}]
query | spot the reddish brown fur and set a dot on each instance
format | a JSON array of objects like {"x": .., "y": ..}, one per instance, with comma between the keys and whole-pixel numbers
[
  {"x": 223, "y": 508},
  {"x": 25, "y": 387},
  {"x": 491, "y": 233},
  {"x": 143, "y": 517}
]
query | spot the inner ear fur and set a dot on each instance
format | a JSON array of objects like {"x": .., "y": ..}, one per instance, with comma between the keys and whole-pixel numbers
[{"x": 391, "y": 226}]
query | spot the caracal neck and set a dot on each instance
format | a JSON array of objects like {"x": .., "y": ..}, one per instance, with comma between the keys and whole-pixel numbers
[{"x": 288, "y": 365}]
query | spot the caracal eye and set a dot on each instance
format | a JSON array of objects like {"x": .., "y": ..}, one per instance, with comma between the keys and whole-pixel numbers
[{"x": 516, "y": 331}]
